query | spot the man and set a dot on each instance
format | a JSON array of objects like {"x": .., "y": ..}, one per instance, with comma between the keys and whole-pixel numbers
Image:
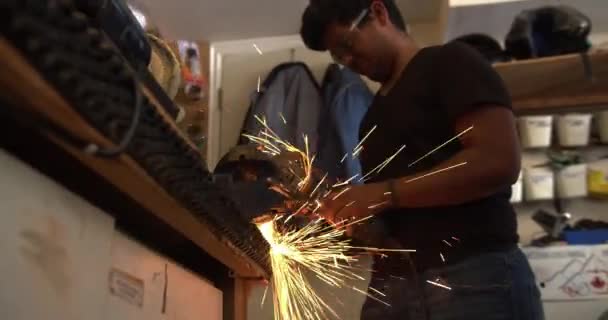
[{"x": 467, "y": 265}]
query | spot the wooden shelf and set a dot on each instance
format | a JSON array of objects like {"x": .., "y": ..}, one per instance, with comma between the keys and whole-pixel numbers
[
  {"x": 19, "y": 80},
  {"x": 557, "y": 84}
]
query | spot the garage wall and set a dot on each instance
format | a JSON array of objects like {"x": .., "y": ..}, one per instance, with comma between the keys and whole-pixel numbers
[{"x": 62, "y": 259}]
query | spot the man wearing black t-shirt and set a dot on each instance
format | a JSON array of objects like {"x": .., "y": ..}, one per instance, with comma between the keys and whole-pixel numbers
[{"x": 467, "y": 265}]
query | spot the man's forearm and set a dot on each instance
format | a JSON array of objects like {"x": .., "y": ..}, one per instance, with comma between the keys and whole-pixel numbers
[{"x": 466, "y": 177}]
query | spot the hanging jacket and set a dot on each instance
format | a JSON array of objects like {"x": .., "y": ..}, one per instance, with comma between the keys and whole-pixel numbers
[
  {"x": 290, "y": 101},
  {"x": 347, "y": 99}
]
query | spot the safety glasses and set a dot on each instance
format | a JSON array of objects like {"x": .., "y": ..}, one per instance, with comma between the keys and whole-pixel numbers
[{"x": 344, "y": 48}]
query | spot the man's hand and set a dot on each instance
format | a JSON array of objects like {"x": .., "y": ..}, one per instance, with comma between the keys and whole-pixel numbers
[{"x": 355, "y": 202}]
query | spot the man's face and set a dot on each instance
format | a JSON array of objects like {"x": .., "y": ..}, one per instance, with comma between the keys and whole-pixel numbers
[{"x": 361, "y": 49}]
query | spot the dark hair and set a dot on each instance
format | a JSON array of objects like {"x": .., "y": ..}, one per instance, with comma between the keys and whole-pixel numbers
[{"x": 321, "y": 13}]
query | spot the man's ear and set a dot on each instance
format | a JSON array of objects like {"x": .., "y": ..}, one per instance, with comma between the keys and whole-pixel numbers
[{"x": 379, "y": 12}]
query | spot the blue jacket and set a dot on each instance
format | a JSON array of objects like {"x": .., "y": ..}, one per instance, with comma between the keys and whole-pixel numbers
[{"x": 347, "y": 99}]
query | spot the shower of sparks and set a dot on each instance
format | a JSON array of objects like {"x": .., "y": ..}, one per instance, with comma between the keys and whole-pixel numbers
[
  {"x": 271, "y": 143},
  {"x": 317, "y": 249},
  {"x": 442, "y": 257},
  {"x": 436, "y": 172},
  {"x": 441, "y": 146},
  {"x": 382, "y": 165},
  {"x": 446, "y": 242},
  {"x": 439, "y": 285},
  {"x": 258, "y": 49}
]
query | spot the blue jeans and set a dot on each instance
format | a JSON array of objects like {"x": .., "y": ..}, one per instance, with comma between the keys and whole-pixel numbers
[{"x": 489, "y": 286}]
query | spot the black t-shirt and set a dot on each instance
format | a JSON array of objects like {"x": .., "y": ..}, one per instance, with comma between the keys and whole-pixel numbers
[{"x": 438, "y": 85}]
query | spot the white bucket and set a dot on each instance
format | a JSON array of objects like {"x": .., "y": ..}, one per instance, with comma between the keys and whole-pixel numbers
[
  {"x": 573, "y": 130},
  {"x": 602, "y": 124},
  {"x": 572, "y": 181},
  {"x": 535, "y": 131},
  {"x": 538, "y": 184},
  {"x": 517, "y": 190}
]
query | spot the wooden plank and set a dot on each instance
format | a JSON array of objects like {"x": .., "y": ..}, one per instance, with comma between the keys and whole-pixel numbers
[
  {"x": 25, "y": 87},
  {"x": 556, "y": 84}
]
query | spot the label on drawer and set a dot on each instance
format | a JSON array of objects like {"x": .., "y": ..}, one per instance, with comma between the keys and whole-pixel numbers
[{"x": 127, "y": 287}]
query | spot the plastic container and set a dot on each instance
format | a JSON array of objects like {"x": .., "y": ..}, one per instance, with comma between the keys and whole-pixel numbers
[
  {"x": 573, "y": 130},
  {"x": 538, "y": 184},
  {"x": 517, "y": 190},
  {"x": 572, "y": 181},
  {"x": 602, "y": 125},
  {"x": 587, "y": 237},
  {"x": 598, "y": 178},
  {"x": 535, "y": 131}
]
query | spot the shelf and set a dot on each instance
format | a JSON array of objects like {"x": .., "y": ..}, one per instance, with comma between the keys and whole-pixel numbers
[
  {"x": 33, "y": 96},
  {"x": 557, "y": 84}
]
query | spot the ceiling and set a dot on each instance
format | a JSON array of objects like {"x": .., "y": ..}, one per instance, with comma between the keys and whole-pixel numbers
[{"x": 214, "y": 20}]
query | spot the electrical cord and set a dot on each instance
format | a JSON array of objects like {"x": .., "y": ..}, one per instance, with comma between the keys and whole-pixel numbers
[
  {"x": 37, "y": 121},
  {"x": 96, "y": 150}
]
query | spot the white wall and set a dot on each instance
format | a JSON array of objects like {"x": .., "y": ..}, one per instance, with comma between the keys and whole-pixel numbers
[{"x": 57, "y": 252}]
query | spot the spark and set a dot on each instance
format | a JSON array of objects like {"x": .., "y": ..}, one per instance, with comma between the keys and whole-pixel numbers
[
  {"x": 259, "y": 84},
  {"x": 283, "y": 117},
  {"x": 350, "y": 203},
  {"x": 441, "y": 146},
  {"x": 258, "y": 49},
  {"x": 372, "y": 297},
  {"x": 446, "y": 242},
  {"x": 341, "y": 193},
  {"x": 369, "y": 133},
  {"x": 382, "y": 165},
  {"x": 378, "y": 205},
  {"x": 442, "y": 257},
  {"x": 357, "y": 151},
  {"x": 344, "y": 158},
  {"x": 456, "y": 239},
  {"x": 264, "y": 296},
  {"x": 388, "y": 193},
  {"x": 439, "y": 285},
  {"x": 319, "y": 185},
  {"x": 377, "y": 291},
  {"x": 348, "y": 181},
  {"x": 436, "y": 172}
]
